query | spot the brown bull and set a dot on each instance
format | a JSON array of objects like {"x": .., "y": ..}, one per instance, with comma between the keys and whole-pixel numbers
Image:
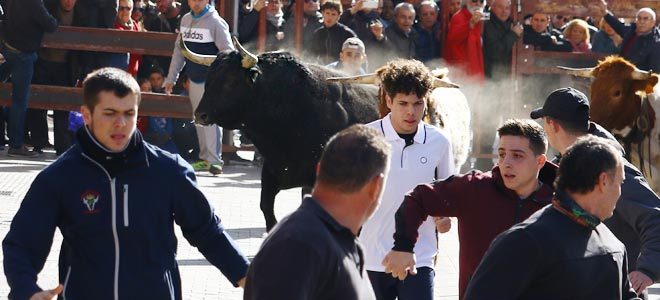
[{"x": 624, "y": 100}]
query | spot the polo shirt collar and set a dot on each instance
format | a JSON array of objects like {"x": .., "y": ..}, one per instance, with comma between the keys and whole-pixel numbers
[
  {"x": 311, "y": 204},
  {"x": 391, "y": 135}
]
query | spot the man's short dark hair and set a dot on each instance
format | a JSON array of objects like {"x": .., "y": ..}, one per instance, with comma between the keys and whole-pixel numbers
[
  {"x": 406, "y": 76},
  {"x": 332, "y": 5},
  {"x": 529, "y": 129},
  {"x": 108, "y": 79},
  {"x": 572, "y": 127},
  {"x": 584, "y": 161},
  {"x": 352, "y": 157}
]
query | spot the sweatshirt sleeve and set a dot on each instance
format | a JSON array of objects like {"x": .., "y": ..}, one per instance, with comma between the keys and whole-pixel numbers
[
  {"x": 507, "y": 267},
  {"x": 26, "y": 246},
  {"x": 178, "y": 61},
  {"x": 439, "y": 198},
  {"x": 222, "y": 36},
  {"x": 202, "y": 227}
]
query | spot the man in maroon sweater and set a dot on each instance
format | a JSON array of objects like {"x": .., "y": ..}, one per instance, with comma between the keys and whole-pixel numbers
[{"x": 486, "y": 204}]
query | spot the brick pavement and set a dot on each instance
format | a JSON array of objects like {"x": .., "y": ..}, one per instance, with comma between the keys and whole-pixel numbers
[{"x": 235, "y": 196}]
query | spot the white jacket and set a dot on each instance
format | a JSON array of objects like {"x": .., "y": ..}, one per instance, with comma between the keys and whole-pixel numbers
[{"x": 428, "y": 158}]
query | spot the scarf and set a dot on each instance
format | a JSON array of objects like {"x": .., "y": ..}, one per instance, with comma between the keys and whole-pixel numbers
[
  {"x": 567, "y": 206},
  {"x": 112, "y": 162}
]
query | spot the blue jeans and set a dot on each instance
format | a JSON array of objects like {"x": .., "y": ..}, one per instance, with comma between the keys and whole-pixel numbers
[
  {"x": 414, "y": 287},
  {"x": 21, "y": 67}
]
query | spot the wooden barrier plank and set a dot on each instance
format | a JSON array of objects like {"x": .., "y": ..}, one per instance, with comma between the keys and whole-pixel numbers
[
  {"x": 110, "y": 40},
  {"x": 70, "y": 98}
]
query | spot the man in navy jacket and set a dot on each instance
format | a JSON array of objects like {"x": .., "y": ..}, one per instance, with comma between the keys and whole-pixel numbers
[{"x": 115, "y": 199}]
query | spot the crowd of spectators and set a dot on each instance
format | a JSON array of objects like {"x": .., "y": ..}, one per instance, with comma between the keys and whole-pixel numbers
[{"x": 354, "y": 36}]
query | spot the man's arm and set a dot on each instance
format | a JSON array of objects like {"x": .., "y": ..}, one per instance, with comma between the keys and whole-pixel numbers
[
  {"x": 47, "y": 22},
  {"x": 507, "y": 268},
  {"x": 176, "y": 65},
  {"x": 627, "y": 291},
  {"x": 497, "y": 42},
  {"x": 639, "y": 206},
  {"x": 285, "y": 269},
  {"x": 202, "y": 227},
  {"x": 222, "y": 37},
  {"x": 26, "y": 246}
]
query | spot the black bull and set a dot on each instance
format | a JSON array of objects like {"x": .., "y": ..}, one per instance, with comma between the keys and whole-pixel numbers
[{"x": 287, "y": 109}]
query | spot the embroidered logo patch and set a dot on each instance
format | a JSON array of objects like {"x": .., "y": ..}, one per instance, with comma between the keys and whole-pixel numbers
[
  {"x": 90, "y": 198},
  {"x": 423, "y": 160}
]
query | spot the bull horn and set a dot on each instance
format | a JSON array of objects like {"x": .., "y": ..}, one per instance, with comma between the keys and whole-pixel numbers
[
  {"x": 638, "y": 74},
  {"x": 364, "y": 79},
  {"x": 580, "y": 72},
  {"x": 437, "y": 83},
  {"x": 204, "y": 60},
  {"x": 249, "y": 60}
]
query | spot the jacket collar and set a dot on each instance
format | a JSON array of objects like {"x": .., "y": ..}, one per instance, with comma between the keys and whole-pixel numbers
[
  {"x": 310, "y": 204},
  {"x": 134, "y": 155},
  {"x": 391, "y": 135},
  {"x": 542, "y": 196}
]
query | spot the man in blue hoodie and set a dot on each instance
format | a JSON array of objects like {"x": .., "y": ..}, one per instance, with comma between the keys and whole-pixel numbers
[{"x": 115, "y": 199}]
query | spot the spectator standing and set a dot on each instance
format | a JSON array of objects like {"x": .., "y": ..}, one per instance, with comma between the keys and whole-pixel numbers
[
  {"x": 427, "y": 45},
  {"x": 168, "y": 19},
  {"x": 420, "y": 153},
  {"x": 24, "y": 24},
  {"x": 564, "y": 251},
  {"x": 499, "y": 37},
  {"x": 249, "y": 20},
  {"x": 367, "y": 25},
  {"x": 486, "y": 204},
  {"x": 641, "y": 40},
  {"x": 112, "y": 172},
  {"x": 576, "y": 32},
  {"x": 606, "y": 41},
  {"x": 636, "y": 219},
  {"x": 351, "y": 57},
  {"x": 539, "y": 35},
  {"x": 312, "y": 20},
  {"x": 126, "y": 61},
  {"x": 463, "y": 46},
  {"x": 204, "y": 32},
  {"x": 454, "y": 6},
  {"x": 61, "y": 68},
  {"x": 327, "y": 40},
  {"x": 320, "y": 236}
]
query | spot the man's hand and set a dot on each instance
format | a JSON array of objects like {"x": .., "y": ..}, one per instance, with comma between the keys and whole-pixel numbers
[
  {"x": 639, "y": 281},
  {"x": 377, "y": 29},
  {"x": 168, "y": 86},
  {"x": 476, "y": 18},
  {"x": 400, "y": 264},
  {"x": 357, "y": 7},
  {"x": 442, "y": 224},
  {"x": 241, "y": 282},
  {"x": 49, "y": 294},
  {"x": 517, "y": 29},
  {"x": 259, "y": 4}
]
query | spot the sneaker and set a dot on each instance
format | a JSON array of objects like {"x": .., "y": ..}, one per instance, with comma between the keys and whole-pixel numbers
[
  {"x": 233, "y": 158},
  {"x": 21, "y": 152},
  {"x": 201, "y": 165},
  {"x": 215, "y": 169}
]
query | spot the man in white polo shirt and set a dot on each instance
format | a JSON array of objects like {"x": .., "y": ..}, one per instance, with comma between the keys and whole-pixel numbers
[{"x": 420, "y": 153}]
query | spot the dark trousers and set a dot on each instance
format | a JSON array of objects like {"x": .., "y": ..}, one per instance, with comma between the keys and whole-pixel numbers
[
  {"x": 414, "y": 287},
  {"x": 20, "y": 66},
  {"x": 4, "y": 118},
  {"x": 53, "y": 73}
]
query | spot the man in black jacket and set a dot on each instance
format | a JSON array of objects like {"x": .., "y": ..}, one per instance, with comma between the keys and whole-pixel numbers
[
  {"x": 500, "y": 34},
  {"x": 636, "y": 220},
  {"x": 564, "y": 251},
  {"x": 327, "y": 40},
  {"x": 24, "y": 24},
  {"x": 641, "y": 40}
]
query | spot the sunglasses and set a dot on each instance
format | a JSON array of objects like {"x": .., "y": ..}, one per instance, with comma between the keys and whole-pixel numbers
[
  {"x": 477, "y": 1},
  {"x": 127, "y": 8}
]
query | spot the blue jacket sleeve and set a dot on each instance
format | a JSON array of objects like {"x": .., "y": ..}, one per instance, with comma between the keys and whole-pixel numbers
[
  {"x": 202, "y": 228},
  {"x": 26, "y": 246}
]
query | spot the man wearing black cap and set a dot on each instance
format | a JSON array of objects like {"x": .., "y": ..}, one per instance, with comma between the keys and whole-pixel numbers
[{"x": 636, "y": 219}]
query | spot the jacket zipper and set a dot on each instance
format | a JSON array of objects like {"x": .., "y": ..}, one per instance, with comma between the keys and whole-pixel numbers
[
  {"x": 125, "y": 205},
  {"x": 113, "y": 194},
  {"x": 66, "y": 283}
]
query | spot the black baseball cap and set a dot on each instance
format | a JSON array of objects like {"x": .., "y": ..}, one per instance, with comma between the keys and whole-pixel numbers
[{"x": 567, "y": 104}]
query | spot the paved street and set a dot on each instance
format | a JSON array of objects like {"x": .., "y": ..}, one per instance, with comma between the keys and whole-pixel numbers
[{"x": 235, "y": 196}]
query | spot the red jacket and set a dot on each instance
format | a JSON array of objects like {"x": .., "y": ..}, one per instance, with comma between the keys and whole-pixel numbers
[
  {"x": 484, "y": 208},
  {"x": 463, "y": 47},
  {"x": 135, "y": 59}
]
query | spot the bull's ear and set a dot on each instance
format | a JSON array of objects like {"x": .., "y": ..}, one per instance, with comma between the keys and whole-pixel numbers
[{"x": 650, "y": 83}]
